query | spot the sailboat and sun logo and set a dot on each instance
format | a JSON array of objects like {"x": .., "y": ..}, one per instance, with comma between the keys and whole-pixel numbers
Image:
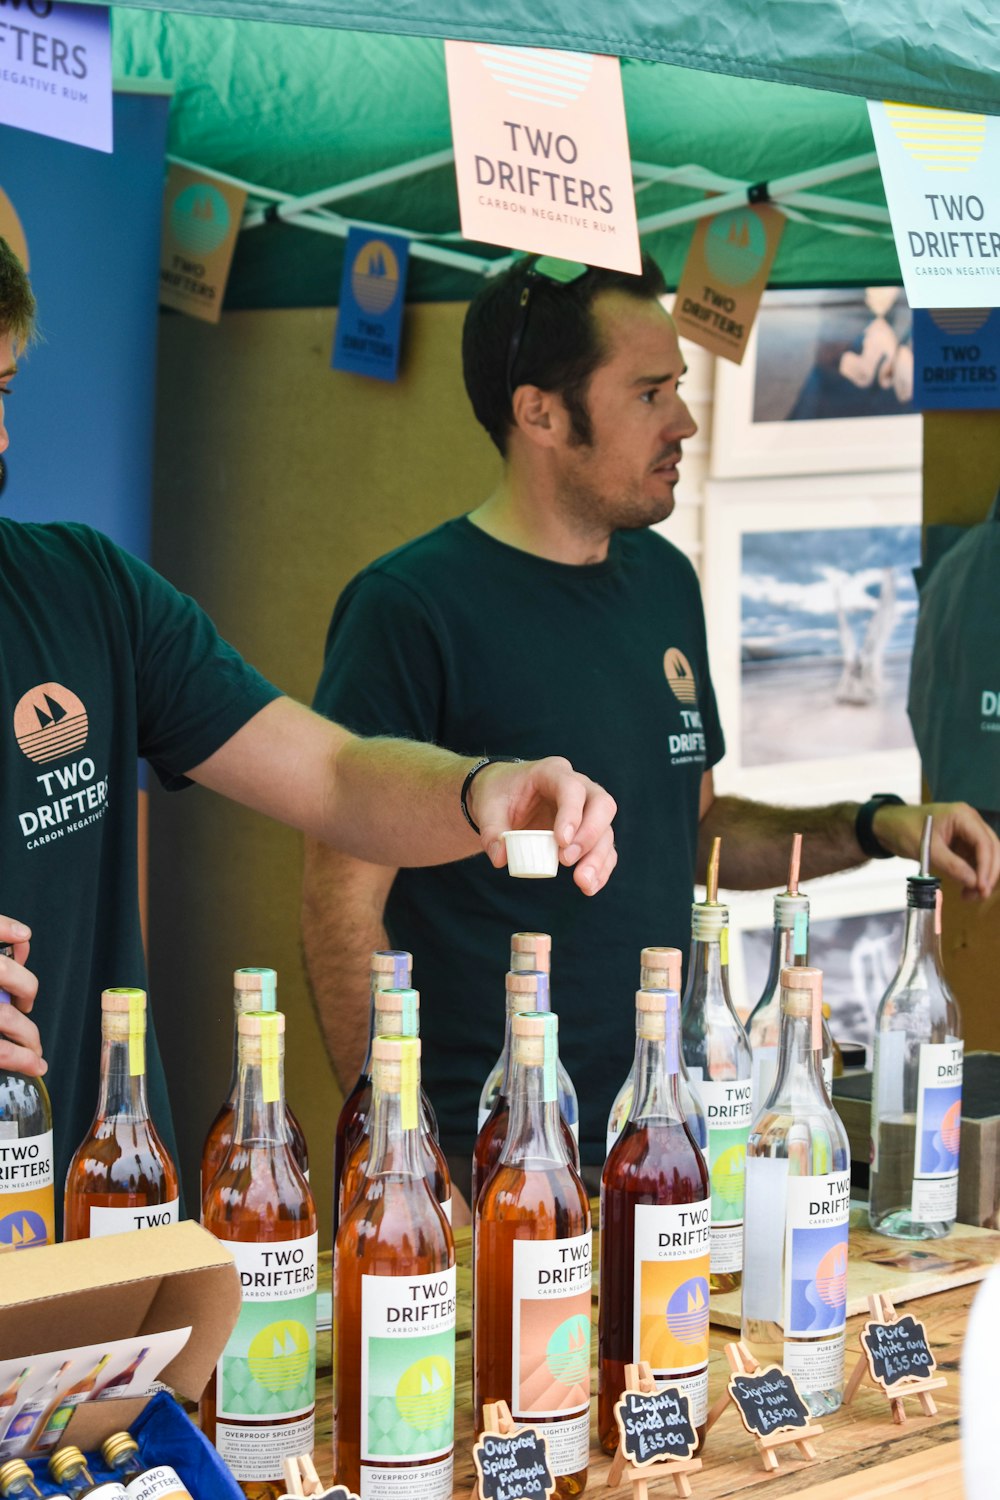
[{"x": 50, "y": 723}]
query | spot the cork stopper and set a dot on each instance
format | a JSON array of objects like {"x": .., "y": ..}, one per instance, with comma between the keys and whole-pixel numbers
[
  {"x": 391, "y": 968},
  {"x": 123, "y": 1019},
  {"x": 116, "y": 1446},
  {"x": 392, "y": 1049},
  {"x": 123, "y": 1002},
  {"x": 656, "y": 1010},
  {"x": 660, "y": 968},
  {"x": 397, "y": 1012},
  {"x": 261, "y": 1023},
  {"x": 531, "y": 950},
  {"x": 255, "y": 989},
  {"x": 66, "y": 1462},
  {"x": 802, "y": 995},
  {"x": 794, "y": 863},
  {"x": 527, "y": 990},
  {"x": 396, "y": 1070}
]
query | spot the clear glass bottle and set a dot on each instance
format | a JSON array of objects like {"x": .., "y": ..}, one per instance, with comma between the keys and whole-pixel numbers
[
  {"x": 71, "y": 1473},
  {"x": 797, "y": 1210},
  {"x": 533, "y": 1266},
  {"x": 523, "y": 947},
  {"x": 17, "y": 1481},
  {"x": 56, "y": 1419},
  {"x": 253, "y": 989},
  {"x": 719, "y": 1064},
  {"x": 391, "y": 969},
  {"x": 27, "y": 1191},
  {"x": 121, "y": 1176},
  {"x": 394, "y": 1306},
  {"x": 259, "y": 1406},
  {"x": 397, "y": 1013},
  {"x": 916, "y": 1084},
  {"x": 142, "y": 1481},
  {"x": 659, "y": 969},
  {"x": 655, "y": 1232}
]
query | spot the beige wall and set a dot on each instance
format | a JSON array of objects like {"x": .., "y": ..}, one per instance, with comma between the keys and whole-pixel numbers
[
  {"x": 276, "y": 480},
  {"x": 961, "y": 474}
]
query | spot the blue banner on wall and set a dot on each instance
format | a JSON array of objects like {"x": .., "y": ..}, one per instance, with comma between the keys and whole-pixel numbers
[
  {"x": 956, "y": 359},
  {"x": 372, "y": 294},
  {"x": 88, "y": 225}
]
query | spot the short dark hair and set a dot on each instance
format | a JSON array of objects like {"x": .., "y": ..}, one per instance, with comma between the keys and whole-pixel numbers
[
  {"x": 560, "y": 349},
  {"x": 17, "y": 300}
]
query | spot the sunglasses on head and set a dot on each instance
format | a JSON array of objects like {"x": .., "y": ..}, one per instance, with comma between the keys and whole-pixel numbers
[{"x": 544, "y": 268}]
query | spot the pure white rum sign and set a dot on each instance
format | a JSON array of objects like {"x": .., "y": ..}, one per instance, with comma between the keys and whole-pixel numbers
[
  {"x": 941, "y": 173},
  {"x": 541, "y": 152}
]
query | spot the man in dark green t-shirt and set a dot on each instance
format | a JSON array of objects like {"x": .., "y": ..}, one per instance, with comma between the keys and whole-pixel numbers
[
  {"x": 553, "y": 611},
  {"x": 101, "y": 661}
]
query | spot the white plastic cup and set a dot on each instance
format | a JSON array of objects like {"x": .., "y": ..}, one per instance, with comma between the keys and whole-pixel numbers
[{"x": 532, "y": 854}]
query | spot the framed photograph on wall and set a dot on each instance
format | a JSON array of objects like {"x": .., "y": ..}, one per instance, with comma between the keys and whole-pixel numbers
[
  {"x": 811, "y": 609},
  {"x": 826, "y": 386}
]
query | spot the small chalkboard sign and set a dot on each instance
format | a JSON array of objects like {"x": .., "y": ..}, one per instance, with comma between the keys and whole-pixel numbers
[
  {"x": 339, "y": 1492},
  {"x": 655, "y": 1426},
  {"x": 305, "y": 1484},
  {"x": 512, "y": 1464},
  {"x": 897, "y": 1351},
  {"x": 768, "y": 1402}
]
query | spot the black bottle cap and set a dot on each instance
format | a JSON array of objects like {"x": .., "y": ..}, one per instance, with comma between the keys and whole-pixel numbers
[{"x": 921, "y": 891}]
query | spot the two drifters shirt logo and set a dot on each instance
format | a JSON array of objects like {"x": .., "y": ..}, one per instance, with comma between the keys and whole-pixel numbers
[{"x": 51, "y": 727}]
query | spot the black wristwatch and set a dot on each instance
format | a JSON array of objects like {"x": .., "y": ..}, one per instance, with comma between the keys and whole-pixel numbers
[{"x": 863, "y": 831}]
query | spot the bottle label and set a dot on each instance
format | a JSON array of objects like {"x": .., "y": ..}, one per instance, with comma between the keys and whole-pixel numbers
[
  {"x": 140, "y": 1216},
  {"x": 27, "y": 1196},
  {"x": 939, "y": 1119},
  {"x": 267, "y": 1371},
  {"x": 816, "y": 1365},
  {"x": 408, "y": 1369},
  {"x": 156, "y": 1483},
  {"x": 57, "y": 1423},
  {"x": 432, "y": 1482},
  {"x": 550, "y": 1337},
  {"x": 728, "y": 1115},
  {"x": 815, "y": 1299},
  {"x": 670, "y": 1287},
  {"x": 107, "y": 1491}
]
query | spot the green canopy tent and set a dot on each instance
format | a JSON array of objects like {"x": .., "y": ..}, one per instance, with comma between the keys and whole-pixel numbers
[{"x": 285, "y": 97}]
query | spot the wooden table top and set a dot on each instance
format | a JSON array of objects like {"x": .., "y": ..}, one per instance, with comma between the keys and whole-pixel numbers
[{"x": 861, "y": 1453}]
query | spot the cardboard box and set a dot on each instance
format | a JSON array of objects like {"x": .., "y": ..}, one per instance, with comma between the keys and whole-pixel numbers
[
  {"x": 979, "y": 1158},
  {"x": 122, "y": 1286}
]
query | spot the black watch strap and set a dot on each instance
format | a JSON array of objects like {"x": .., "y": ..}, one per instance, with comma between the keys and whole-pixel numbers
[
  {"x": 486, "y": 760},
  {"x": 863, "y": 831}
]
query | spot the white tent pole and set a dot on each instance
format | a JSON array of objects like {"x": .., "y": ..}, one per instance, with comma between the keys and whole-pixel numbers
[
  {"x": 331, "y": 224},
  {"x": 294, "y": 207},
  {"x": 737, "y": 198}
]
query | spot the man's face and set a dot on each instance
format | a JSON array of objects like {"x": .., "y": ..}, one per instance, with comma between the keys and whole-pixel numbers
[
  {"x": 625, "y": 477},
  {"x": 8, "y": 368}
]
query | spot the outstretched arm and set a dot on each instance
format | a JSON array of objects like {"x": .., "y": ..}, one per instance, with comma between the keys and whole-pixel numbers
[{"x": 755, "y": 840}]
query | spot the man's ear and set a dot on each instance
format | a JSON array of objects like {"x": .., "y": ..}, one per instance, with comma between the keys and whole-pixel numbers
[{"x": 539, "y": 415}]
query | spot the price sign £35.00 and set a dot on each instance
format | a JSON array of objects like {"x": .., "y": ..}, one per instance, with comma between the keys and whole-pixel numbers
[
  {"x": 768, "y": 1402},
  {"x": 897, "y": 1351},
  {"x": 655, "y": 1426}
]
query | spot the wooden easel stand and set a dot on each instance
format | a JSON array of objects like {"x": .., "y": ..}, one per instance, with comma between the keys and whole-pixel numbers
[
  {"x": 881, "y": 1310},
  {"x": 639, "y": 1377},
  {"x": 742, "y": 1362}
]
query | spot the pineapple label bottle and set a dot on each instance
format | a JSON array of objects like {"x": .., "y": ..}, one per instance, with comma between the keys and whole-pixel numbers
[
  {"x": 719, "y": 1063},
  {"x": 259, "y": 1406},
  {"x": 27, "y": 1191},
  {"x": 660, "y": 969},
  {"x": 533, "y": 1266},
  {"x": 798, "y": 1206},
  {"x": 253, "y": 989},
  {"x": 655, "y": 1232},
  {"x": 121, "y": 1176},
  {"x": 394, "y": 1307},
  {"x": 391, "y": 969},
  {"x": 398, "y": 1014},
  {"x": 917, "y": 1083}
]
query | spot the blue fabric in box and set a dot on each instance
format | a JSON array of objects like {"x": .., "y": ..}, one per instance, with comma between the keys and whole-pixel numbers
[{"x": 166, "y": 1435}]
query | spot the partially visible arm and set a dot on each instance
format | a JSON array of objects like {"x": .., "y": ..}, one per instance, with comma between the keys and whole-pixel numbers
[
  {"x": 396, "y": 802},
  {"x": 343, "y": 900},
  {"x": 755, "y": 840}
]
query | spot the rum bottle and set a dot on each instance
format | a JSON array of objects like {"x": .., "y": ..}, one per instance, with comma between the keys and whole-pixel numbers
[
  {"x": 391, "y": 969},
  {"x": 259, "y": 1406},
  {"x": 398, "y": 1014},
  {"x": 797, "y": 1210},
  {"x": 27, "y": 1192},
  {"x": 121, "y": 1176},
  {"x": 253, "y": 989},
  {"x": 17, "y": 1481},
  {"x": 659, "y": 969},
  {"x": 533, "y": 1266},
  {"x": 917, "y": 1081},
  {"x": 717, "y": 1054},
  {"x": 394, "y": 1306},
  {"x": 142, "y": 1481},
  {"x": 70, "y": 1471},
  {"x": 525, "y": 946},
  {"x": 55, "y": 1421},
  {"x": 655, "y": 1232}
]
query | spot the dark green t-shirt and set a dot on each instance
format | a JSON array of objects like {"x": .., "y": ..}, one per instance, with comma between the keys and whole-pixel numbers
[
  {"x": 474, "y": 645},
  {"x": 101, "y": 661}
]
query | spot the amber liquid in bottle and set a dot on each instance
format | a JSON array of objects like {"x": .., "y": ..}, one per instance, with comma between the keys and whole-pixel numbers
[
  {"x": 391, "y": 969},
  {"x": 253, "y": 989},
  {"x": 532, "y": 1227},
  {"x": 394, "y": 1251},
  {"x": 653, "y": 1172},
  {"x": 121, "y": 1176},
  {"x": 260, "y": 1205}
]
